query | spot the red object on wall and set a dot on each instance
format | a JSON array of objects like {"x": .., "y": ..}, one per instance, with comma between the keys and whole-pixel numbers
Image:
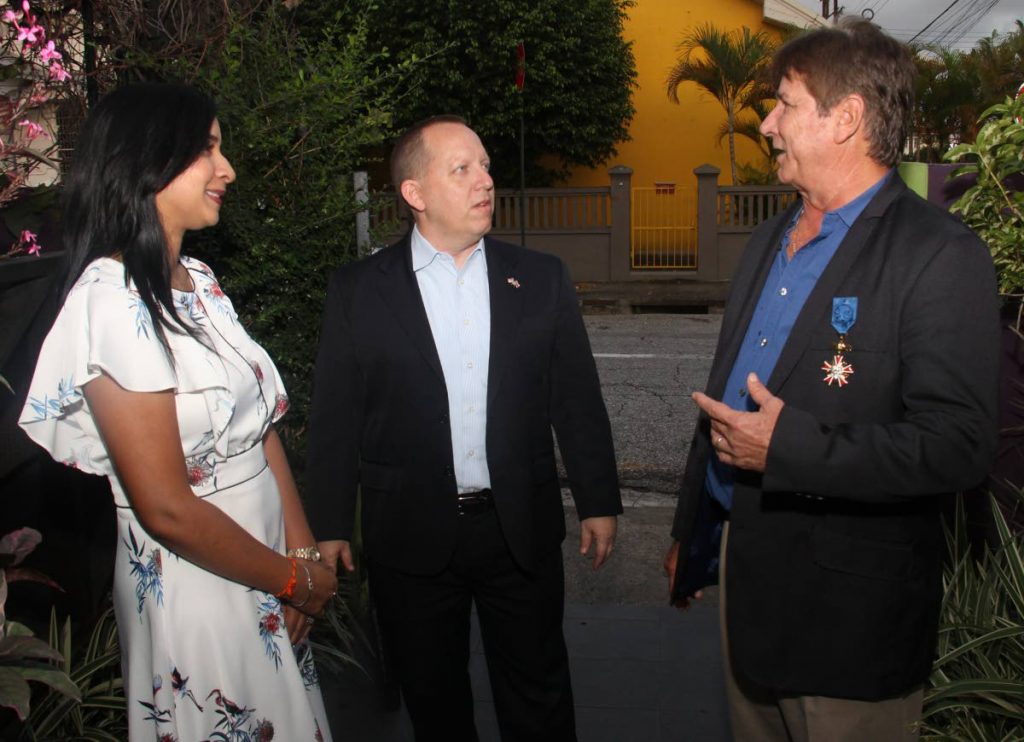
[{"x": 520, "y": 66}]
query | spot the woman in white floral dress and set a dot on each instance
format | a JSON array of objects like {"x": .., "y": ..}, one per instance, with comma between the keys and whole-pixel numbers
[{"x": 148, "y": 377}]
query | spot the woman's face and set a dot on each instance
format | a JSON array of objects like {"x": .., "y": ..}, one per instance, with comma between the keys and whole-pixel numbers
[{"x": 193, "y": 199}]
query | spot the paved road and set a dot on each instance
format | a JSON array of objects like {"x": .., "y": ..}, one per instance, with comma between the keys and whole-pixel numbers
[{"x": 649, "y": 364}]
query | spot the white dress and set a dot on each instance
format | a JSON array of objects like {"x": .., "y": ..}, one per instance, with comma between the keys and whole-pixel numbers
[{"x": 204, "y": 658}]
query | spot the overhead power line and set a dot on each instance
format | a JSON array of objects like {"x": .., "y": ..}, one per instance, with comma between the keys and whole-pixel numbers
[{"x": 936, "y": 18}]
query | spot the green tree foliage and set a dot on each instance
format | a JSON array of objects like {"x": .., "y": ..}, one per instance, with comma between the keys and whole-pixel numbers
[
  {"x": 303, "y": 102},
  {"x": 299, "y": 107},
  {"x": 994, "y": 206},
  {"x": 730, "y": 67},
  {"x": 955, "y": 87},
  {"x": 579, "y": 76}
]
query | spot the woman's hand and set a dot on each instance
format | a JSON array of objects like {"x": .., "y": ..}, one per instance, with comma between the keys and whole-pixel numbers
[
  {"x": 298, "y": 624},
  {"x": 325, "y": 586}
]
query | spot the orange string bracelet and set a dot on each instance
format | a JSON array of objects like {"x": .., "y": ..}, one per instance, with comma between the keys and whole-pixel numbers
[{"x": 288, "y": 592}]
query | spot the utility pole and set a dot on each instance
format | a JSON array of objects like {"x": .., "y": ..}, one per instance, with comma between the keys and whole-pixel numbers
[{"x": 836, "y": 10}]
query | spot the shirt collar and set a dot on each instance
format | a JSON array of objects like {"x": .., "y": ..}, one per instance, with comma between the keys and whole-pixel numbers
[
  {"x": 423, "y": 253},
  {"x": 850, "y": 211}
]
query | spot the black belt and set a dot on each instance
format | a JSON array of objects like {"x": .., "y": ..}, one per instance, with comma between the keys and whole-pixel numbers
[{"x": 471, "y": 503}]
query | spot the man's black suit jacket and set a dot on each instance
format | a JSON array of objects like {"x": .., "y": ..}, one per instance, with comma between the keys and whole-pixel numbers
[
  {"x": 379, "y": 416},
  {"x": 835, "y": 552}
]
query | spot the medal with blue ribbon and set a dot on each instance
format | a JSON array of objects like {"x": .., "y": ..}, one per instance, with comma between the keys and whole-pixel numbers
[{"x": 844, "y": 316}]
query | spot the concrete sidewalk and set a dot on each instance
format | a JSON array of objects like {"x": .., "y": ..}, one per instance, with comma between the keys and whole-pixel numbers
[
  {"x": 639, "y": 673},
  {"x": 643, "y": 674}
]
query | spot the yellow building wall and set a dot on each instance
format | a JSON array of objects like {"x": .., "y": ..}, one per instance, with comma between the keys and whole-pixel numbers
[{"x": 668, "y": 140}]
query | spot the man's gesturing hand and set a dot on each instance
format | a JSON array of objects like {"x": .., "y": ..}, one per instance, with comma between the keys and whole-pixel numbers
[{"x": 741, "y": 438}]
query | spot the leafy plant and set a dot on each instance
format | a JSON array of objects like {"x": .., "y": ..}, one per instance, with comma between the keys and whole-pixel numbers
[
  {"x": 580, "y": 74},
  {"x": 953, "y": 86},
  {"x": 23, "y": 657},
  {"x": 95, "y": 669},
  {"x": 300, "y": 104},
  {"x": 728, "y": 65},
  {"x": 977, "y": 686},
  {"x": 994, "y": 206}
]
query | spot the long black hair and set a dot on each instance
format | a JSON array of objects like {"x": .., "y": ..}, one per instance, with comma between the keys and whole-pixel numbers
[{"x": 135, "y": 141}]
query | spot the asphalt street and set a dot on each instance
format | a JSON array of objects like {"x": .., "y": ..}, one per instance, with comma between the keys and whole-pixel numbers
[{"x": 649, "y": 365}]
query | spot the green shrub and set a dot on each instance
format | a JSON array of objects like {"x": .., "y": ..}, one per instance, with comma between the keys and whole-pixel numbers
[
  {"x": 95, "y": 668},
  {"x": 299, "y": 108},
  {"x": 992, "y": 207},
  {"x": 977, "y": 686}
]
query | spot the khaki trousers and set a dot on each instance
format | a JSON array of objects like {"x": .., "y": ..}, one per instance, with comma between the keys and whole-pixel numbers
[{"x": 759, "y": 714}]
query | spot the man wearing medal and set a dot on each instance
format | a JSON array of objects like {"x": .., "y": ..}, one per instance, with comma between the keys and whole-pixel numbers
[{"x": 853, "y": 387}]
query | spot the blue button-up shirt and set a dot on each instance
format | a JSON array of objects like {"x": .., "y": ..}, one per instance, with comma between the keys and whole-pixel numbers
[
  {"x": 458, "y": 307},
  {"x": 789, "y": 284}
]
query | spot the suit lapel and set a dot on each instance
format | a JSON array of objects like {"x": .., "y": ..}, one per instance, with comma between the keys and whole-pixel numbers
[
  {"x": 401, "y": 293},
  {"x": 819, "y": 303},
  {"x": 506, "y": 302}
]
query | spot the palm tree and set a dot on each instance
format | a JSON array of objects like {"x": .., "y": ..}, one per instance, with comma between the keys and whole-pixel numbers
[
  {"x": 729, "y": 66},
  {"x": 947, "y": 100}
]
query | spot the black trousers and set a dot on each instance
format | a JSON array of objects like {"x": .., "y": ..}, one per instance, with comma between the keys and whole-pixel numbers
[{"x": 425, "y": 622}]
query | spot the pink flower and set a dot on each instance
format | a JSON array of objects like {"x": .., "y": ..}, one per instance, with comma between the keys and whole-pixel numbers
[
  {"x": 57, "y": 72},
  {"x": 31, "y": 34},
  {"x": 10, "y": 16},
  {"x": 32, "y": 130},
  {"x": 49, "y": 52},
  {"x": 27, "y": 240}
]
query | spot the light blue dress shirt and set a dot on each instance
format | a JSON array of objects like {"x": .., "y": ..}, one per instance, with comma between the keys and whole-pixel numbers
[
  {"x": 789, "y": 284},
  {"x": 459, "y": 311}
]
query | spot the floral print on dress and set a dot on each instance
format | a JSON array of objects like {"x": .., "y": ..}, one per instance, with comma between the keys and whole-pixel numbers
[
  {"x": 203, "y": 268},
  {"x": 218, "y": 299},
  {"x": 52, "y": 407},
  {"x": 149, "y": 574},
  {"x": 153, "y": 713},
  {"x": 91, "y": 274},
  {"x": 201, "y": 469},
  {"x": 234, "y": 724},
  {"x": 143, "y": 322},
  {"x": 180, "y": 687},
  {"x": 270, "y": 622},
  {"x": 223, "y": 409},
  {"x": 281, "y": 405},
  {"x": 186, "y": 304},
  {"x": 307, "y": 667}
]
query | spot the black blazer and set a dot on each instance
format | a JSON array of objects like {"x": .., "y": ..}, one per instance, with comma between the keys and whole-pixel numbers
[
  {"x": 835, "y": 553},
  {"x": 379, "y": 415}
]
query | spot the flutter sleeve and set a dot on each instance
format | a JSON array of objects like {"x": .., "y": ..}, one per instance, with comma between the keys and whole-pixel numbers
[{"x": 103, "y": 327}]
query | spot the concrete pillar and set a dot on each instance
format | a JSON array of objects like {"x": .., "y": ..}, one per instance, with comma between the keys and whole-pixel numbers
[
  {"x": 622, "y": 225},
  {"x": 360, "y": 186},
  {"x": 707, "y": 223}
]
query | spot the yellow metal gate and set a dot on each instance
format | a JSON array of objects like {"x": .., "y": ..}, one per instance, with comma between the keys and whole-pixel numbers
[{"x": 664, "y": 228}]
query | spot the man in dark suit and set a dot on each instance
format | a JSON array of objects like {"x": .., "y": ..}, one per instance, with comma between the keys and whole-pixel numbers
[
  {"x": 870, "y": 317},
  {"x": 445, "y": 361}
]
